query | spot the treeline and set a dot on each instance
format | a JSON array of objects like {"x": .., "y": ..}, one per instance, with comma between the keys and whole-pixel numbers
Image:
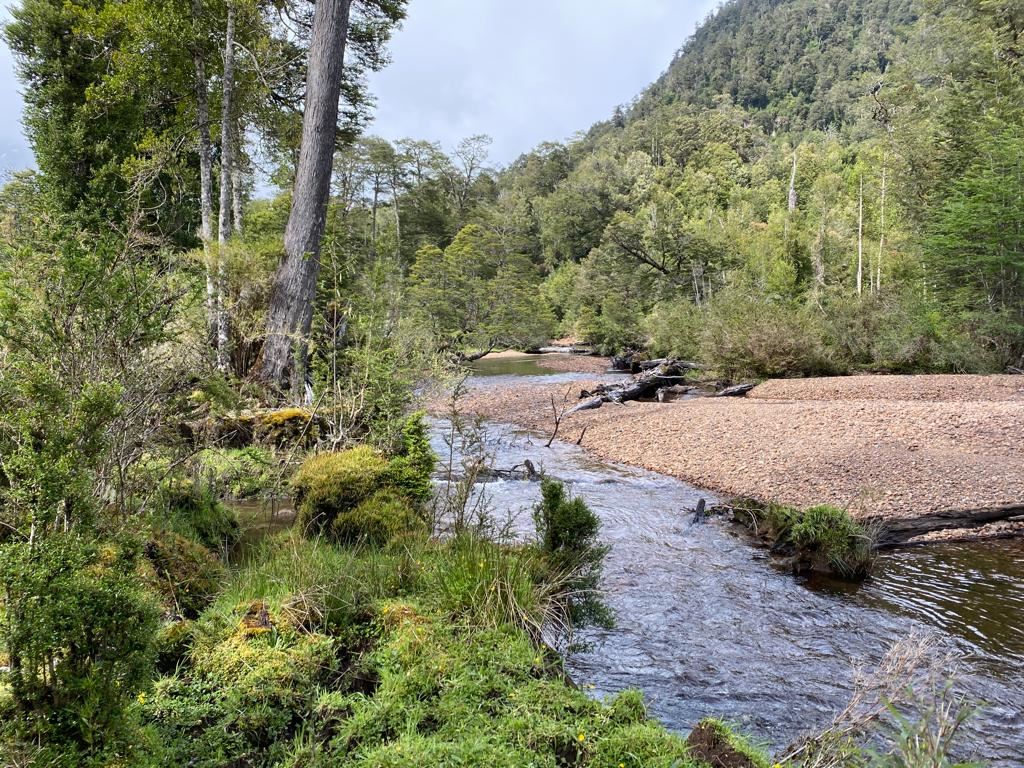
[{"x": 867, "y": 217}]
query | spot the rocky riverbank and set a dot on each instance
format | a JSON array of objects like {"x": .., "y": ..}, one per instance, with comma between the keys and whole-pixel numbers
[{"x": 931, "y": 452}]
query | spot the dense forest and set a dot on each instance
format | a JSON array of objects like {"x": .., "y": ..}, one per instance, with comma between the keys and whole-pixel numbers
[{"x": 809, "y": 188}]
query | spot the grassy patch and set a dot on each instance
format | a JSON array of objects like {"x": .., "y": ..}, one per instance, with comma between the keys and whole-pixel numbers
[
  {"x": 418, "y": 653},
  {"x": 822, "y": 539}
]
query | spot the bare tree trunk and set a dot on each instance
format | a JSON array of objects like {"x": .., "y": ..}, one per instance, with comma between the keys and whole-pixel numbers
[
  {"x": 291, "y": 303},
  {"x": 205, "y": 178},
  {"x": 237, "y": 191},
  {"x": 860, "y": 239},
  {"x": 881, "y": 237},
  {"x": 227, "y": 149},
  {"x": 792, "y": 186}
]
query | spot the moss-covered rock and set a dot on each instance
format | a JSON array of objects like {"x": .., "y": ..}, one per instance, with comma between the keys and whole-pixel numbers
[
  {"x": 330, "y": 483},
  {"x": 376, "y": 520}
]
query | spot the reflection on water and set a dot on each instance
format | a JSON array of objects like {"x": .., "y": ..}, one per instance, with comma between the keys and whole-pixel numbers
[{"x": 705, "y": 627}]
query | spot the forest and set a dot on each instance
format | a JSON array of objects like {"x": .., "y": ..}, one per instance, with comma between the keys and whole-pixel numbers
[{"x": 217, "y": 286}]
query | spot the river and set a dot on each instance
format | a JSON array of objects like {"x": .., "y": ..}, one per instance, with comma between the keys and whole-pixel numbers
[{"x": 705, "y": 625}]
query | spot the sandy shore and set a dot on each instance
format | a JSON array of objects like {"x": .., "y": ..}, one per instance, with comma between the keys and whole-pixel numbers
[
  {"x": 574, "y": 363},
  {"x": 880, "y": 446}
]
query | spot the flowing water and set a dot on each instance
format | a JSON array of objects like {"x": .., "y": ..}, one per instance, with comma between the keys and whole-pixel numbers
[{"x": 707, "y": 626}]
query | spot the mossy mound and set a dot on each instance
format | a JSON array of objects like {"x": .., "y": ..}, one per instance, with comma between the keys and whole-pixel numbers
[
  {"x": 376, "y": 520},
  {"x": 330, "y": 483},
  {"x": 193, "y": 511},
  {"x": 185, "y": 574}
]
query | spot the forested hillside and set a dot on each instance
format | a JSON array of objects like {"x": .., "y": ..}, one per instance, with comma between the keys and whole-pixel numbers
[{"x": 810, "y": 188}]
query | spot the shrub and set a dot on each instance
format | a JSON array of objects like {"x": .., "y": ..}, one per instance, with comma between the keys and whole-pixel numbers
[
  {"x": 748, "y": 336},
  {"x": 376, "y": 520},
  {"x": 193, "y": 511},
  {"x": 831, "y": 537},
  {"x": 240, "y": 472},
  {"x": 80, "y": 632},
  {"x": 329, "y": 483},
  {"x": 567, "y": 529},
  {"x": 674, "y": 330},
  {"x": 186, "y": 574},
  {"x": 411, "y": 469}
]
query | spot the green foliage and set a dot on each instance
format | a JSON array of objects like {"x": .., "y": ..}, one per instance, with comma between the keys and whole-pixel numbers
[
  {"x": 745, "y": 335},
  {"x": 568, "y": 530},
  {"x": 823, "y": 539},
  {"x": 831, "y": 534},
  {"x": 79, "y": 630},
  {"x": 191, "y": 510},
  {"x": 241, "y": 473},
  {"x": 411, "y": 469},
  {"x": 186, "y": 574}
]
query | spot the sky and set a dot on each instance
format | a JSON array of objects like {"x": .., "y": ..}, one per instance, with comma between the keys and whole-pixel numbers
[{"x": 522, "y": 72}]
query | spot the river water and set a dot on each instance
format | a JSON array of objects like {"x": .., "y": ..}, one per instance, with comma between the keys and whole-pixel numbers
[{"x": 705, "y": 625}]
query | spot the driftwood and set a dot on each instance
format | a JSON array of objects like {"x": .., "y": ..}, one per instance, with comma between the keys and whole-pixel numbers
[
  {"x": 662, "y": 379},
  {"x": 737, "y": 391}
]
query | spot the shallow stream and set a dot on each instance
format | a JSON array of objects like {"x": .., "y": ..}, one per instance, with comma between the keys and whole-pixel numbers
[{"x": 707, "y": 626}]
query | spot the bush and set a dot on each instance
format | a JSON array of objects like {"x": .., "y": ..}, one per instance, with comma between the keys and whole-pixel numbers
[
  {"x": 330, "y": 483},
  {"x": 823, "y": 539},
  {"x": 240, "y": 472},
  {"x": 830, "y": 536},
  {"x": 80, "y": 632},
  {"x": 748, "y": 336},
  {"x": 411, "y": 469},
  {"x": 193, "y": 511},
  {"x": 567, "y": 530},
  {"x": 186, "y": 574},
  {"x": 674, "y": 329},
  {"x": 376, "y": 520}
]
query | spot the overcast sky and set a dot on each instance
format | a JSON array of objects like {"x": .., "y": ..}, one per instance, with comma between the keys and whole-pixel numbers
[{"x": 523, "y": 72}]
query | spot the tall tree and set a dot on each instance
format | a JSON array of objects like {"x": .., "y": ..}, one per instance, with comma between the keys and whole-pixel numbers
[{"x": 291, "y": 302}]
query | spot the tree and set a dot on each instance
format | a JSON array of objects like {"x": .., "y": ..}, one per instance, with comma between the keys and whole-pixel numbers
[{"x": 290, "y": 313}]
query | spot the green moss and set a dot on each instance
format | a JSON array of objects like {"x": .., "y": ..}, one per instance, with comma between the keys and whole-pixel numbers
[
  {"x": 186, "y": 575},
  {"x": 330, "y": 483},
  {"x": 287, "y": 426},
  {"x": 376, "y": 520}
]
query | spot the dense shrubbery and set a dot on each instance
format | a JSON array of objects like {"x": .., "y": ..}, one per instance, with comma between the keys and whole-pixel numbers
[
  {"x": 191, "y": 510},
  {"x": 241, "y": 472},
  {"x": 186, "y": 574},
  {"x": 567, "y": 530},
  {"x": 79, "y": 628}
]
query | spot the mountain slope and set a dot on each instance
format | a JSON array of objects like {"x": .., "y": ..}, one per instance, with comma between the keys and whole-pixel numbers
[{"x": 794, "y": 62}]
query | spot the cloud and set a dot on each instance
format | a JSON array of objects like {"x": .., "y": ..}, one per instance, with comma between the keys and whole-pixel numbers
[{"x": 523, "y": 72}]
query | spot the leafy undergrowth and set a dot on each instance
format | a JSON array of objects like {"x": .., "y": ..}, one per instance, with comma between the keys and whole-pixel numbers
[{"x": 417, "y": 654}]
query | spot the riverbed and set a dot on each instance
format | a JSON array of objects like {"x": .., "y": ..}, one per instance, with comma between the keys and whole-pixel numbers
[{"x": 707, "y": 626}]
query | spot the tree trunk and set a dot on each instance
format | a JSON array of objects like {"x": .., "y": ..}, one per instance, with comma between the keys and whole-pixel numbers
[
  {"x": 792, "y": 186},
  {"x": 860, "y": 239},
  {"x": 205, "y": 179},
  {"x": 237, "y": 192},
  {"x": 881, "y": 237},
  {"x": 227, "y": 149},
  {"x": 291, "y": 302}
]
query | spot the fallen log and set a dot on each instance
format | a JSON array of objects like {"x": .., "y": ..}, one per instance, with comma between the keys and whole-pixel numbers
[
  {"x": 644, "y": 384},
  {"x": 737, "y": 391}
]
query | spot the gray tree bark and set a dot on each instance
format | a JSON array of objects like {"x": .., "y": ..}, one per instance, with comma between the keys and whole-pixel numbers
[
  {"x": 291, "y": 302},
  {"x": 205, "y": 177},
  {"x": 227, "y": 150}
]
